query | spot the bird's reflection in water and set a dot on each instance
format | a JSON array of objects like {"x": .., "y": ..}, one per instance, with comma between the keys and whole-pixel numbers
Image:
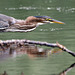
[
  {"x": 30, "y": 50},
  {"x": 64, "y": 72}
]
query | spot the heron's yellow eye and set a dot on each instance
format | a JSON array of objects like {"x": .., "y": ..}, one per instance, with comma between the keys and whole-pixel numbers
[{"x": 48, "y": 19}]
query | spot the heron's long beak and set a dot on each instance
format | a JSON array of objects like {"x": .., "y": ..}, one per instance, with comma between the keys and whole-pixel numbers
[{"x": 56, "y": 21}]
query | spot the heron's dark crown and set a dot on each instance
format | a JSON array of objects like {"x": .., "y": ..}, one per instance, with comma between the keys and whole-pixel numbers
[{"x": 43, "y": 17}]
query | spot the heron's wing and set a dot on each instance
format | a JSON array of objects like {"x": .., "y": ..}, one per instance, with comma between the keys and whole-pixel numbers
[
  {"x": 3, "y": 25},
  {"x": 5, "y": 17},
  {"x": 8, "y": 19}
]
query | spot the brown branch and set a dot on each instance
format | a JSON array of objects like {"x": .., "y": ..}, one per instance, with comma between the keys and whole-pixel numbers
[
  {"x": 65, "y": 49},
  {"x": 9, "y": 42}
]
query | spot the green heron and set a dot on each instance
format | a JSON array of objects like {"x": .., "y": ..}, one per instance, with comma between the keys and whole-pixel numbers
[{"x": 30, "y": 23}]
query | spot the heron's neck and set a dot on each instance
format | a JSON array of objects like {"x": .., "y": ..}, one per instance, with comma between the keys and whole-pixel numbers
[{"x": 21, "y": 22}]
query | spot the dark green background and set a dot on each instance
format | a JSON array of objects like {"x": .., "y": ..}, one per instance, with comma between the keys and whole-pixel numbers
[{"x": 63, "y": 10}]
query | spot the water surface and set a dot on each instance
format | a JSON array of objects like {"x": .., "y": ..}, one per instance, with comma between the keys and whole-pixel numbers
[{"x": 64, "y": 34}]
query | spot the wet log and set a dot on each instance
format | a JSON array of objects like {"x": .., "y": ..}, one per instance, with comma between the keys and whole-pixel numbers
[{"x": 24, "y": 41}]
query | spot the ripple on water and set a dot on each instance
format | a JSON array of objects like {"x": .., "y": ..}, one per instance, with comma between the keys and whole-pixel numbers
[
  {"x": 59, "y": 9},
  {"x": 51, "y": 29}
]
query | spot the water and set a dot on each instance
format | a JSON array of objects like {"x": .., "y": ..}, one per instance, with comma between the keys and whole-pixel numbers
[{"x": 64, "y": 34}]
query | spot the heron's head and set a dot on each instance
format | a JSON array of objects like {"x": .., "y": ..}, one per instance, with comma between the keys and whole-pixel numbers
[
  {"x": 39, "y": 20},
  {"x": 46, "y": 19}
]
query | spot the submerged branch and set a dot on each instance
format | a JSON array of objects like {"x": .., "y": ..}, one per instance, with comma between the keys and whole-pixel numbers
[
  {"x": 24, "y": 41},
  {"x": 64, "y": 72}
]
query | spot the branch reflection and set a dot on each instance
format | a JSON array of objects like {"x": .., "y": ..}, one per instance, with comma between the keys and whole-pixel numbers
[{"x": 64, "y": 72}]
